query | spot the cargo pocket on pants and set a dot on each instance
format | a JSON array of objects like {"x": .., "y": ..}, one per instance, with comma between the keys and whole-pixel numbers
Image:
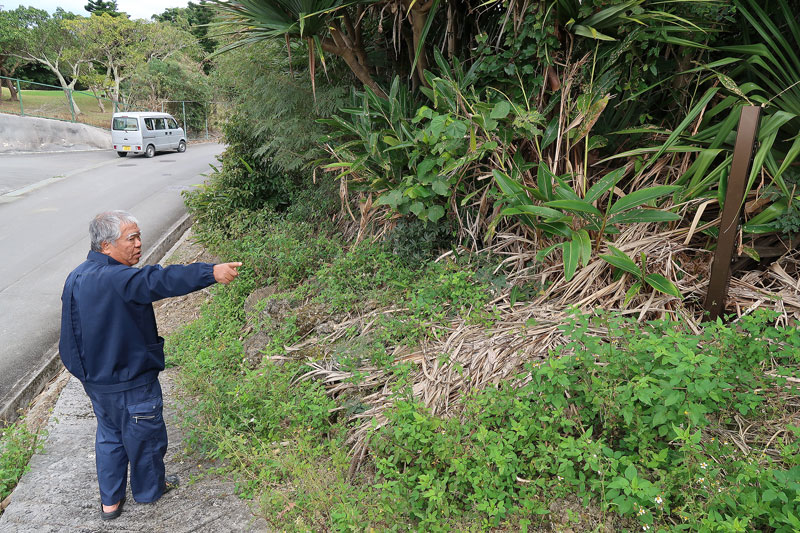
[{"x": 146, "y": 418}]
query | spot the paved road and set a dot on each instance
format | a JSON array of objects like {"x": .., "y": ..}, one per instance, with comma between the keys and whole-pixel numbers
[{"x": 46, "y": 202}]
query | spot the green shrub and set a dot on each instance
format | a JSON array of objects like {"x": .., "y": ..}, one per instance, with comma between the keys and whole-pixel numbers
[
  {"x": 623, "y": 421},
  {"x": 17, "y": 445},
  {"x": 415, "y": 242},
  {"x": 366, "y": 272}
]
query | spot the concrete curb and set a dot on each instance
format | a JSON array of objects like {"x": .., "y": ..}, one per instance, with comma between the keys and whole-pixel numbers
[
  {"x": 23, "y": 393},
  {"x": 172, "y": 236}
]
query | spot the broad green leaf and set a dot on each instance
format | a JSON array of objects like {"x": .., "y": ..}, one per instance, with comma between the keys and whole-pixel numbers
[
  {"x": 631, "y": 293},
  {"x": 515, "y": 292},
  {"x": 772, "y": 212},
  {"x": 643, "y": 215},
  {"x": 759, "y": 229},
  {"x": 440, "y": 187},
  {"x": 542, "y": 254},
  {"x": 544, "y": 179},
  {"x": 536, "y": 210},
  {"x": 673, "y": 397},
  {"x": 435, "y": 212},
  {"x": 391, "y": 198},
  {"x": 637, "y": 198},
  {"x": 512, "y": 189},
  {"x": 550, "y": 133},
  {"x": 582, "y": 237},
  {"x": 588, "y": 31},
  {"x": 604, "y": 184},
  {"x": 400, "y": 146},
  {"x": 662, "y": 284},
  {"x": 555, "y": 228},
  {"x": 572, "y": 252},
  {"x": 752, "y": 253},
  {"x": 729, "y": 84},
  {"x": 500, "y": 110},
  {"x": 623, "y": 263},
  {"x": 578, "y": 206}
]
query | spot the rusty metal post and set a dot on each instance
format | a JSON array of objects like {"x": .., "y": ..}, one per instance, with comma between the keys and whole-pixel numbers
[{"x": 729, "y": 226}]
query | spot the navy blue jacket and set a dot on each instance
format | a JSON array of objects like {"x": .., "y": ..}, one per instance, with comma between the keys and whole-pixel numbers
[{"x": 109, "y": 339}]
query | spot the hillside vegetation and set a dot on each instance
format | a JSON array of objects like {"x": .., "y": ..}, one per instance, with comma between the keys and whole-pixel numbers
[{"x": 477, "y": 237}]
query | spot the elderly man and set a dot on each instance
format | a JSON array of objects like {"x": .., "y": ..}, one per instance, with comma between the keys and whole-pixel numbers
[{"x": 109, "y": 341}]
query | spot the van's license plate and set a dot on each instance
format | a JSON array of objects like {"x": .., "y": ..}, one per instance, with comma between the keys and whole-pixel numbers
[{"x": 126, "y": 148}]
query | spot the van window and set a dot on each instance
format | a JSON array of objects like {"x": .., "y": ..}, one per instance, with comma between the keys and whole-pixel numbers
[
  {"x": 172, "y": 124},
  {"x": 125, "y": 124},
  {"x": 160, "y": 124},
  {"x": 148, "y": 123}
]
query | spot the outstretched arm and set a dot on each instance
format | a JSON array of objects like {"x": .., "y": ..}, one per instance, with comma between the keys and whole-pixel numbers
[{"x": 225, "y": 272}]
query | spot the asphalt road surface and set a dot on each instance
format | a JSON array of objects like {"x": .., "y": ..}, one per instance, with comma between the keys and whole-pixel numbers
[{"x": 46, "y": 203}]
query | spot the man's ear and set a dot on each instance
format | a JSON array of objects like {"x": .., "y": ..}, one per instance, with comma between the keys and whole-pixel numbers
[{"x": 105, "y": 247}]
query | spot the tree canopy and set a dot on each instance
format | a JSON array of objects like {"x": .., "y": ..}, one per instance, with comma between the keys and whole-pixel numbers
[{"x": 102, "y": 6}]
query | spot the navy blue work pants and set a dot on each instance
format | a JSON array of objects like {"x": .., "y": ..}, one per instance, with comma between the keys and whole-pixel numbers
[{"x": 130, "y": 429}]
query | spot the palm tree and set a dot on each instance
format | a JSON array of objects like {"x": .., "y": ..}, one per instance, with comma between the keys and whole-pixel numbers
[{"x": 327, "y": 24}]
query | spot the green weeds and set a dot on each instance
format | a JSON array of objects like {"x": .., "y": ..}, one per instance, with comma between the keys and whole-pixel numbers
[
  {"x": 634, "y": 422},
  {"x": 17, "y": 445},
  {"x": 634, "y": 419}
]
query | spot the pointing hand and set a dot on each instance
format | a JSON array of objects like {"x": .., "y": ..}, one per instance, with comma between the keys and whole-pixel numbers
[{"x": 225, "y": 272}]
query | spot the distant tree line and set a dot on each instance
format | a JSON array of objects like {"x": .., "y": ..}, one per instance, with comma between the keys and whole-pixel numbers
[{"x": 108, "y": 53}]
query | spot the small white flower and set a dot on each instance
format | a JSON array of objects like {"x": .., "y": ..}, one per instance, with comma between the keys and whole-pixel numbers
[
  {"x": 645, "y": 528},
  {"x": 703, "y": 466},
  {"x": 658, "y": 500},
  {"x": 641, "y": 512},
  {"x": 701, "y": 480}
]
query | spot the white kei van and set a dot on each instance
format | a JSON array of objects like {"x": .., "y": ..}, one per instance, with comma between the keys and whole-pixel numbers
[{"x": 146, "y": 133}]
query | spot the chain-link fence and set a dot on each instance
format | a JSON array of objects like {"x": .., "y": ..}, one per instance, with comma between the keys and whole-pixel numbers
[{"x": 201, "y": 120}]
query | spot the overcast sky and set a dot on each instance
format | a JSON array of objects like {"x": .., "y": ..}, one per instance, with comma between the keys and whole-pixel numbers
[{"x": 137, "y": 9}]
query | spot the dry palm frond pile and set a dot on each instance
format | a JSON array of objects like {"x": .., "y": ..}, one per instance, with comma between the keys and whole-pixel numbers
[{"x": 460, "y": 357}]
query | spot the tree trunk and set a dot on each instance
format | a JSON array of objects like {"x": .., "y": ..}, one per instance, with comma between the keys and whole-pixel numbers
[
  {"x": 418, "y": 16},
  {"x": 96, "y": 93},
  {"x": 68, "y": 87},
  {"x": 12, "y": 88},
  {"x": 340, "y": 45}
]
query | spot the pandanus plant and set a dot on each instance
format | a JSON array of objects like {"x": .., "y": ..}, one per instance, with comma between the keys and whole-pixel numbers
[{"x": 329, "y": 26}]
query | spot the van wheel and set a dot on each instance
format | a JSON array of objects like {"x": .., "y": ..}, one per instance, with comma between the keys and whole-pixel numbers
[
  {"x": 122, "y": 154},
  {"x": 150, "y": 151},
  {"x": 182, "y": 146}
]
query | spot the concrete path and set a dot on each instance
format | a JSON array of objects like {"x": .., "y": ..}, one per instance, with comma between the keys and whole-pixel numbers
[{"x": 59, "y": 493}]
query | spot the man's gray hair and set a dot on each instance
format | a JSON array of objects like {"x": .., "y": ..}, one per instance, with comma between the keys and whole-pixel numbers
[{"x": 105, "y": 227}]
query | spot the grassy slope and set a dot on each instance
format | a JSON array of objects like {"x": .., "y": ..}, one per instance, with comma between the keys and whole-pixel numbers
[
  {"x": 54, "y": 104},
  {"x": 647, "y": 439}
]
